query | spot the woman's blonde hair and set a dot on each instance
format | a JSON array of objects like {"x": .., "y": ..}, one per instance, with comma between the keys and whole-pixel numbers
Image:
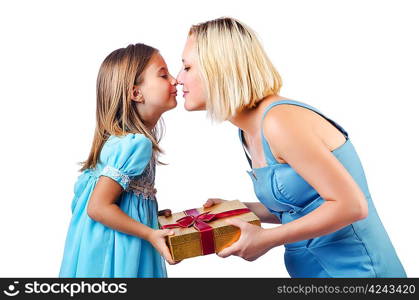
[
  {"x": 235, "y": 69},
  {"x": 116, "y": 113}
]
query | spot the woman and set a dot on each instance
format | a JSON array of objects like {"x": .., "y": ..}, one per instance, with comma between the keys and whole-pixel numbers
[{"x": 305, "y": 170}]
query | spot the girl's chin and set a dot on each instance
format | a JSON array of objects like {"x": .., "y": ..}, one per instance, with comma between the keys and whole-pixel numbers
[
  {"x": 173, "y": 104},
  {"x": 169, "y": 105}
]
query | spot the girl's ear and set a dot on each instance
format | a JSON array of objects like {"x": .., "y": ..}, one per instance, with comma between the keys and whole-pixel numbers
[{"x": 136, "y": 94}]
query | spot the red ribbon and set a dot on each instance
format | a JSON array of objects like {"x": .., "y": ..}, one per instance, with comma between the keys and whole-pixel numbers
[{"x": 199, "y": 222}]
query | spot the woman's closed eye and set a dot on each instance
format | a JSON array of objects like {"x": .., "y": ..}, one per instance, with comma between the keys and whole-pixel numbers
[{"x": 186, "y": 68}]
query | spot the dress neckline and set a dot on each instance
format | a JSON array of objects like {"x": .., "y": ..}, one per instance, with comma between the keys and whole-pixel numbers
[{"x": 338, "y": 149}]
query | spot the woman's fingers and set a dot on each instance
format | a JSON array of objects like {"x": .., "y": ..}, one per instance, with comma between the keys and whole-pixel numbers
[
  {"x": 212, "y": 201},
  {"x": 235, "y": 248},
  {"x": 209, "y": 203},
  {"x": 237, "y": 223},
  {"x": 232, "y": 250}
]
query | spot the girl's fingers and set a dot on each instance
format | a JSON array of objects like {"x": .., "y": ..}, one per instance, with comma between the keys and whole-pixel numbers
[
  {"x": 164, "y": 250},
  {"x": 165, "y": 212},
  {"x": 166, "y": 232},
  {"x": 167, "y": 256},
  {"x": 176, "y": 262}
]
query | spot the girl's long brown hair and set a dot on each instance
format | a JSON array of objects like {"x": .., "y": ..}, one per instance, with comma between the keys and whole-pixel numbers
[{"x": 116, "y": 113}]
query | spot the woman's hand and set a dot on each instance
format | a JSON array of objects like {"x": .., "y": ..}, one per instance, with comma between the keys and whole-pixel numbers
[
  {"x": 254, "y": 241},
  {"x": 257, "y": 208},
  {"x": 212, "y": 201},
  {"x": 157, "y": 238}
]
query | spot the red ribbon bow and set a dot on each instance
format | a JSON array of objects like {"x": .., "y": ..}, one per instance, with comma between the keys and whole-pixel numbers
[{"x": 199, "y": 222}]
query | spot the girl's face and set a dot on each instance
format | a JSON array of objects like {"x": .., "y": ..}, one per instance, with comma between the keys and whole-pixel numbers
[
  {"x": 193, "y": 87},
  {"x": 157, "y": 92}
]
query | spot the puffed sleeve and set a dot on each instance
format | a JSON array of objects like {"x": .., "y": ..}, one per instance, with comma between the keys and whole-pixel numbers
[{"x": 125, "y": 157}]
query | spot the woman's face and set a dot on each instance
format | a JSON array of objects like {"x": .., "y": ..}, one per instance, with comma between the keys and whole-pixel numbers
[{"x": 189, "y": 77}]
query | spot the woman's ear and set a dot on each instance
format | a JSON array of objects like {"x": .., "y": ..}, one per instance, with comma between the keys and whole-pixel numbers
[{"x": 136, "y": 94}]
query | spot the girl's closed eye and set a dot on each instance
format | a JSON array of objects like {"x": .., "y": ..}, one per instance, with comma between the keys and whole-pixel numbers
[{"x": 186, "y": 68}]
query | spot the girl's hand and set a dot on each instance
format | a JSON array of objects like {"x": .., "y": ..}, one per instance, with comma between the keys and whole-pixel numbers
[
  {"x": 212, "y": 201},
  {"x": 158, "y": 240},
  {"x": 165, "y": 212},
  {"x": 253, "y": 241}
]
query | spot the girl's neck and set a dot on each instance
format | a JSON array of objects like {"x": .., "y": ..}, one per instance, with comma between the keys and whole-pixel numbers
[
  {"x": 151, "y": 120},
  {"x": 150, "y": 124}
]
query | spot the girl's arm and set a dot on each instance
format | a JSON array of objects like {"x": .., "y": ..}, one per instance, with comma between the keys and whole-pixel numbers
[
  {"x": 102, "y": 208},
  {"x": 297, "y": 143},
  {"x": 257, "y": 208}
]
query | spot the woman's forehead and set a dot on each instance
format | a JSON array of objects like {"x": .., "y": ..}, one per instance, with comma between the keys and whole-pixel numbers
[{"x": 189, "y": 50}]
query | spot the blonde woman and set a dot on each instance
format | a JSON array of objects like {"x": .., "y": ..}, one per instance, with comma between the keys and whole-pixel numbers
[
  {"x": 305, "y": 170},
  {"x": 114, "y": 230}
]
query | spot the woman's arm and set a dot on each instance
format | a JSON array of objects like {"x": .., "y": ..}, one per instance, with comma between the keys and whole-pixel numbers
[
  {"x": 102, "y": 208},
  {"x": 345, "y": 203},
  {"x": 257, "y": 208},
  {"x": 298, "y": 144},
  {"x": 263, "y": 213}
]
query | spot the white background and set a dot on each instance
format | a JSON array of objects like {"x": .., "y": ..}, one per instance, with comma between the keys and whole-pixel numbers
[{"x": 356, "y": 61}]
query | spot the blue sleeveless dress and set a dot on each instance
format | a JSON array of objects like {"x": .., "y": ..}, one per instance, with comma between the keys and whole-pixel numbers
[
  {"x": 361, "y": 249},
  {"x": 95, "y": 250}
]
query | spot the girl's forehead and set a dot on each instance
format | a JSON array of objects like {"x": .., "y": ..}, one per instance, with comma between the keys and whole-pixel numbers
[{"x": 157, "y": 62}]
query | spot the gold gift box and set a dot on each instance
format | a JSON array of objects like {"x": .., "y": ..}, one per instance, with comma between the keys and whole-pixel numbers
[{"x": 186, "y": 242}]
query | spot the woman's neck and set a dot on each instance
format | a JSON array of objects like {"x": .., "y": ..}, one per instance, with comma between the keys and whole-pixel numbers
[{"x": 249, "y": 120}]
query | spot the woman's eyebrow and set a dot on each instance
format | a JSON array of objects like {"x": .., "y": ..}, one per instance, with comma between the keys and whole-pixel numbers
[{"x": 162, "y": 69}]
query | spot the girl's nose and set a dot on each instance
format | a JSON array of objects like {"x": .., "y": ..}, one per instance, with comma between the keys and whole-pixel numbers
[{"x": 173, "y": 81}]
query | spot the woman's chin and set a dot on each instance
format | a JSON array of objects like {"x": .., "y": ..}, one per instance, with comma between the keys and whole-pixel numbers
[
  {"x": 192, "y": 107},
  {"x": 188, "y": 107}
]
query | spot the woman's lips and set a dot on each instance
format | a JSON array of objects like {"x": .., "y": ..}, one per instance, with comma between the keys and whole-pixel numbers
[{"x": 184, "y": 93}]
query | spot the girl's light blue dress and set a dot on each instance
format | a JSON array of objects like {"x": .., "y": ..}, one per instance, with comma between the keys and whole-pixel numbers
[
  {"x": 362, "y": 249},
  {"x": 95, "y": 250}
]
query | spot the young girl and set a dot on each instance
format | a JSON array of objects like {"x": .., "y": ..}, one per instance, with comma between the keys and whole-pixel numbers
[{"x": 113, "y": 230}]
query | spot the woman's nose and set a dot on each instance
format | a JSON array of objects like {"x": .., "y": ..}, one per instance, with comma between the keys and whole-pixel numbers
[{"x": 179, "y": 78}]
